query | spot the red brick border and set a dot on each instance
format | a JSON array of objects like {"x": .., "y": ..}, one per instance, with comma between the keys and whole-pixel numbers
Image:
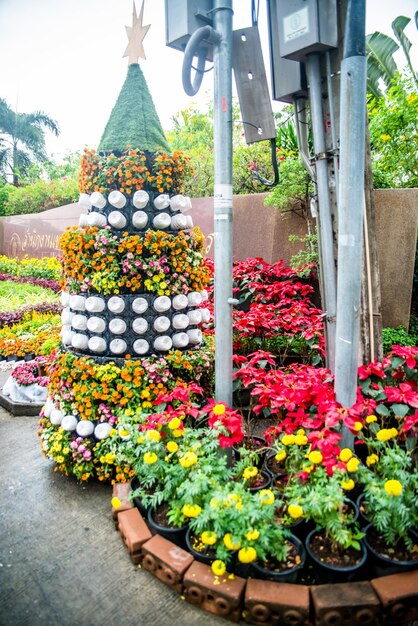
[{"x": 389, "y": 600}]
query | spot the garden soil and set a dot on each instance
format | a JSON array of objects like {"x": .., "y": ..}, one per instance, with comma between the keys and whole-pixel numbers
[{"x": 62, "y": 563}]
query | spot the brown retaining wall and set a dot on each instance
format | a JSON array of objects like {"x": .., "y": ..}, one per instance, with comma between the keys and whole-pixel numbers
[{"x": 259, "y": 231}]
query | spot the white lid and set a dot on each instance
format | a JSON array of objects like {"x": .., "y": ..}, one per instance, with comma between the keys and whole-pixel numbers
[
  {"x": 84, "y": 428},
  {"x": 195, "y": 316},
  {"x": 84, "y": 201},
  {"x": 139, "y": 305},
  {"x": 97, "y": 344},
  {"x": 180, "y": 321},
  {"x": 66, "y": 315},
  {"x": 180, "y": 302},
  {"x": 139, "y": 219},
  {"x": 69, "y": 422},
  {"x": 79, "y": 341},
  {"x": 67, "y": 336},
  {"x": 195, "y": 335},
  {"x": 116, "y": 304},
  {"x": 118, "y": 346},
  {"x": 140, "y": 199},
  {"x": 117, "y": 326},
  {"x": 96, "y": 219},
  {"x": 163, "y": 343},
  {"x": 161, "y": 304},
  {"x": 79, "y": 322},
  {"x": 117, "y": 219},
  {"x": 102, "y": 430},
  {"x": 83, "y": 221},
  {"x": 162, "y": 220},
  {"x": 180, "y": 340},
  {"x": 140, "y": 325},
  {"x": 65, "y": 298},
  {"x": 95, "y": 304},
  {"x": 96, "y": 324},
  {"x": 161, "y": 324},
  {"x": 194, "y": 298},
  {"x": 117, "y": 199},
  {"x": 98, "y": 200},
  {"x": 141, "y": 346},
  {"x": 162, "y": 201},
  {"x": 78, "y": 303}
]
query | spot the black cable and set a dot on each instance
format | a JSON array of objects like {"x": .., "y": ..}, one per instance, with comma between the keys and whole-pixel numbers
[{"x": 264, "y": 181}]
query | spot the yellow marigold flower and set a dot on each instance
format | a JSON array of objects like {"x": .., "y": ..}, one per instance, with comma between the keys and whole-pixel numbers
[
  {"x": 252, "y": 535},
  {"x": 266, "y": 496},
  {"x": 393, "y": 487},
  {"x": 208, "y": 537},
  {"x": 139, "y": 440},
  {"x": 370, "y": 419},
  {"x": 348, "y": 485},
  {"x": 384, "y": 434},
  {"x": 218, "y": 567},
  {"x": 116, "y": 503},
  {"x": 191, "y": 510},
  {"x": 357, "y": 426},
  {"x": 188, "y": 459},
  {"x": 346, "y": 454},
  {"x": 353, "y": 464},
  {"x": 372, "y": 459},
  {"x": 315, "y": 457},
  {"x": 247, "y": 555},
  {"x": 174, "y": 423},
  {"x": 287, "y": 440},
  {"x": 219, "y": 409},
  {"x": 229, "y": 542},
  {"x": 301, "y": 440},
  {"x": 150, "y": 458},
  {"x": 250, "y": 472},
  {"x": 295, "y": 511},
  {"x": 300, "y": 431},
  {"x": 213, "y": 503},
  {"x": 153, "y": 435},
  {"x": 385, "y": 137},
  {"x": 281, "y": 455},
  {"x": 172, "y": 446},
  {"x": 178, "y": 432}
]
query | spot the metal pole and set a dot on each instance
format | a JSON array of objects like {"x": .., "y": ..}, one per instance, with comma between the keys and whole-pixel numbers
[
  {"x": 325, "y": 220},
  {"x": 222, "y": 22},
  {"x": 350, "y": 206}
]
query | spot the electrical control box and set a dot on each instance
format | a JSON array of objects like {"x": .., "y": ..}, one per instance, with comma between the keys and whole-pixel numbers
[
  {"x": 183, "y": 18},
  {"x": 306, "y": 26},
  {"x": 287, "y": 77}
]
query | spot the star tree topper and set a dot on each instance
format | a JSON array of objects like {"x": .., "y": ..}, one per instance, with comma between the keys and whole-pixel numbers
[{"x": 136, "y": 34}]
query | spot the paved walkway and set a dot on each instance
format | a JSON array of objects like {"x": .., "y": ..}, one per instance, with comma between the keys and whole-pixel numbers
[{"x": 61, "y": 561}]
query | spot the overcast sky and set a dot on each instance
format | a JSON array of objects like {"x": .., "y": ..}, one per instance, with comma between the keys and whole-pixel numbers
[{"x": 64, "y": 57}]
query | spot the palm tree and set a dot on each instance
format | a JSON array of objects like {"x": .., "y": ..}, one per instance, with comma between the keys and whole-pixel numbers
[
  {"x": 22, "y": 140},
  {"x": 380, "y": 49}
]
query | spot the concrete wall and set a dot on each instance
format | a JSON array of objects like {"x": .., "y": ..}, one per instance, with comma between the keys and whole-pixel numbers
[{"x": 259, "y": 231}]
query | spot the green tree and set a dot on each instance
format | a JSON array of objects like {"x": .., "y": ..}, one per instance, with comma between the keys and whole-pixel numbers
[
  {"x": 393, "y": 125},
  {"x": 22, "y": 140}
]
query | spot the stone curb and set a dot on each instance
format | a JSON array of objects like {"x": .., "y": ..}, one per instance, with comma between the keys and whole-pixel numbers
[
  {"x": 389, "y": 600},
  {"x": 20, "y": 409}
]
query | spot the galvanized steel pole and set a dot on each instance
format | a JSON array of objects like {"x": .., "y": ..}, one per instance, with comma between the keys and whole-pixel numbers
[
  {"x": 350, "y": 206},
  {"x": 222, "y": 22},
  {"x": 328, "y": 270}
]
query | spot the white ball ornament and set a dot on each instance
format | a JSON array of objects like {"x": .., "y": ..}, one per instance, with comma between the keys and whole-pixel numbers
[
  {"x": 78, "y": 303},
  {"x": 48, "y": 407},
  {"x": 205, "y": 313},
  {"x": 178, "y": 222},
  {"x": 67, "y": 337},
  {"x": 161, "y": 324},
  {"x": 117, "y": 199},
  {"x": 140, "y": 199},
  {"x": 79, "y": 322},
  {"x": 69, "y": 422},
  {"x": 180, "y": 302},
  {"x": 163, "y": 344},
  {"x": 163, "y": 220},
  {"x": 117, "y": 326},
  {"x": 162, "y": 201},
  {"x": 194, "y": 298},
  {"x": 180, "y": 340},
  {"x": 139, "y": 305},
  {"x": 195, "y": 335},
  {"x": 96, "y": 324},
  {"x": 139, "y": 219},
  {"x": 97, "y": 344},
  {"x": 95, "y": 304},
  {"x": 180, "y": 203},
  {"x": 195, "y": 316},
  {"x": 118, "y": 346},
  {"x": 56, "y": 417},
  {"x": 180, "y": 321},
  {"x": 115, "y": 304},
  {"x": 102, "y": 430},
  {"x": 117, "y": 219},
  {"x": 85, "y": 428},
  {"x": 79, "y": 341},
  {"x": 66, "y": 315},
  {"x": 98, "y": 200},
  {"x": 141, "y": 346},
  {"x": 82, "y": 220},
  {"x": 162, "y": 304},
  {"x": 140, "y": 325}
]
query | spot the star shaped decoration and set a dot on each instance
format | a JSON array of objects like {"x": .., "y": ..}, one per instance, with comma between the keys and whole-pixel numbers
[{"x": 136, "y": 34}]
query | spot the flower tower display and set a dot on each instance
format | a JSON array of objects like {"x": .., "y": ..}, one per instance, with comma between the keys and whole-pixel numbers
[{"x": 133, "y": 288}]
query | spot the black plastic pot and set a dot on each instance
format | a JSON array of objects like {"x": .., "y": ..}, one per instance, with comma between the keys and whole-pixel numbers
[
  {"x": 137, "y": 501},
  {"x": 382, "y": 564},
  {"x": 197, "y": 554},
  {"x": 266, "y": 484},
  {"x": 286, "y": 576},
  {"x": 261, "y": 443},
  {"x": 174, "y": 534},
  {"x": 325, "y": 573}
]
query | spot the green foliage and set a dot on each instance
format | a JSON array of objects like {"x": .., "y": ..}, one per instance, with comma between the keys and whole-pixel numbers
[
  {"x": 294, "y": 191},
  {"x": 40, "y": 196},
  {"x": 133, "y": 121},
  {"x": 13, "y": 296},
  {"x": 304, "y": 258},
  {"x": 4, "y": 194},
  {"x": 399, "y": 337},
  {"x": 393, "y": 124}
]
